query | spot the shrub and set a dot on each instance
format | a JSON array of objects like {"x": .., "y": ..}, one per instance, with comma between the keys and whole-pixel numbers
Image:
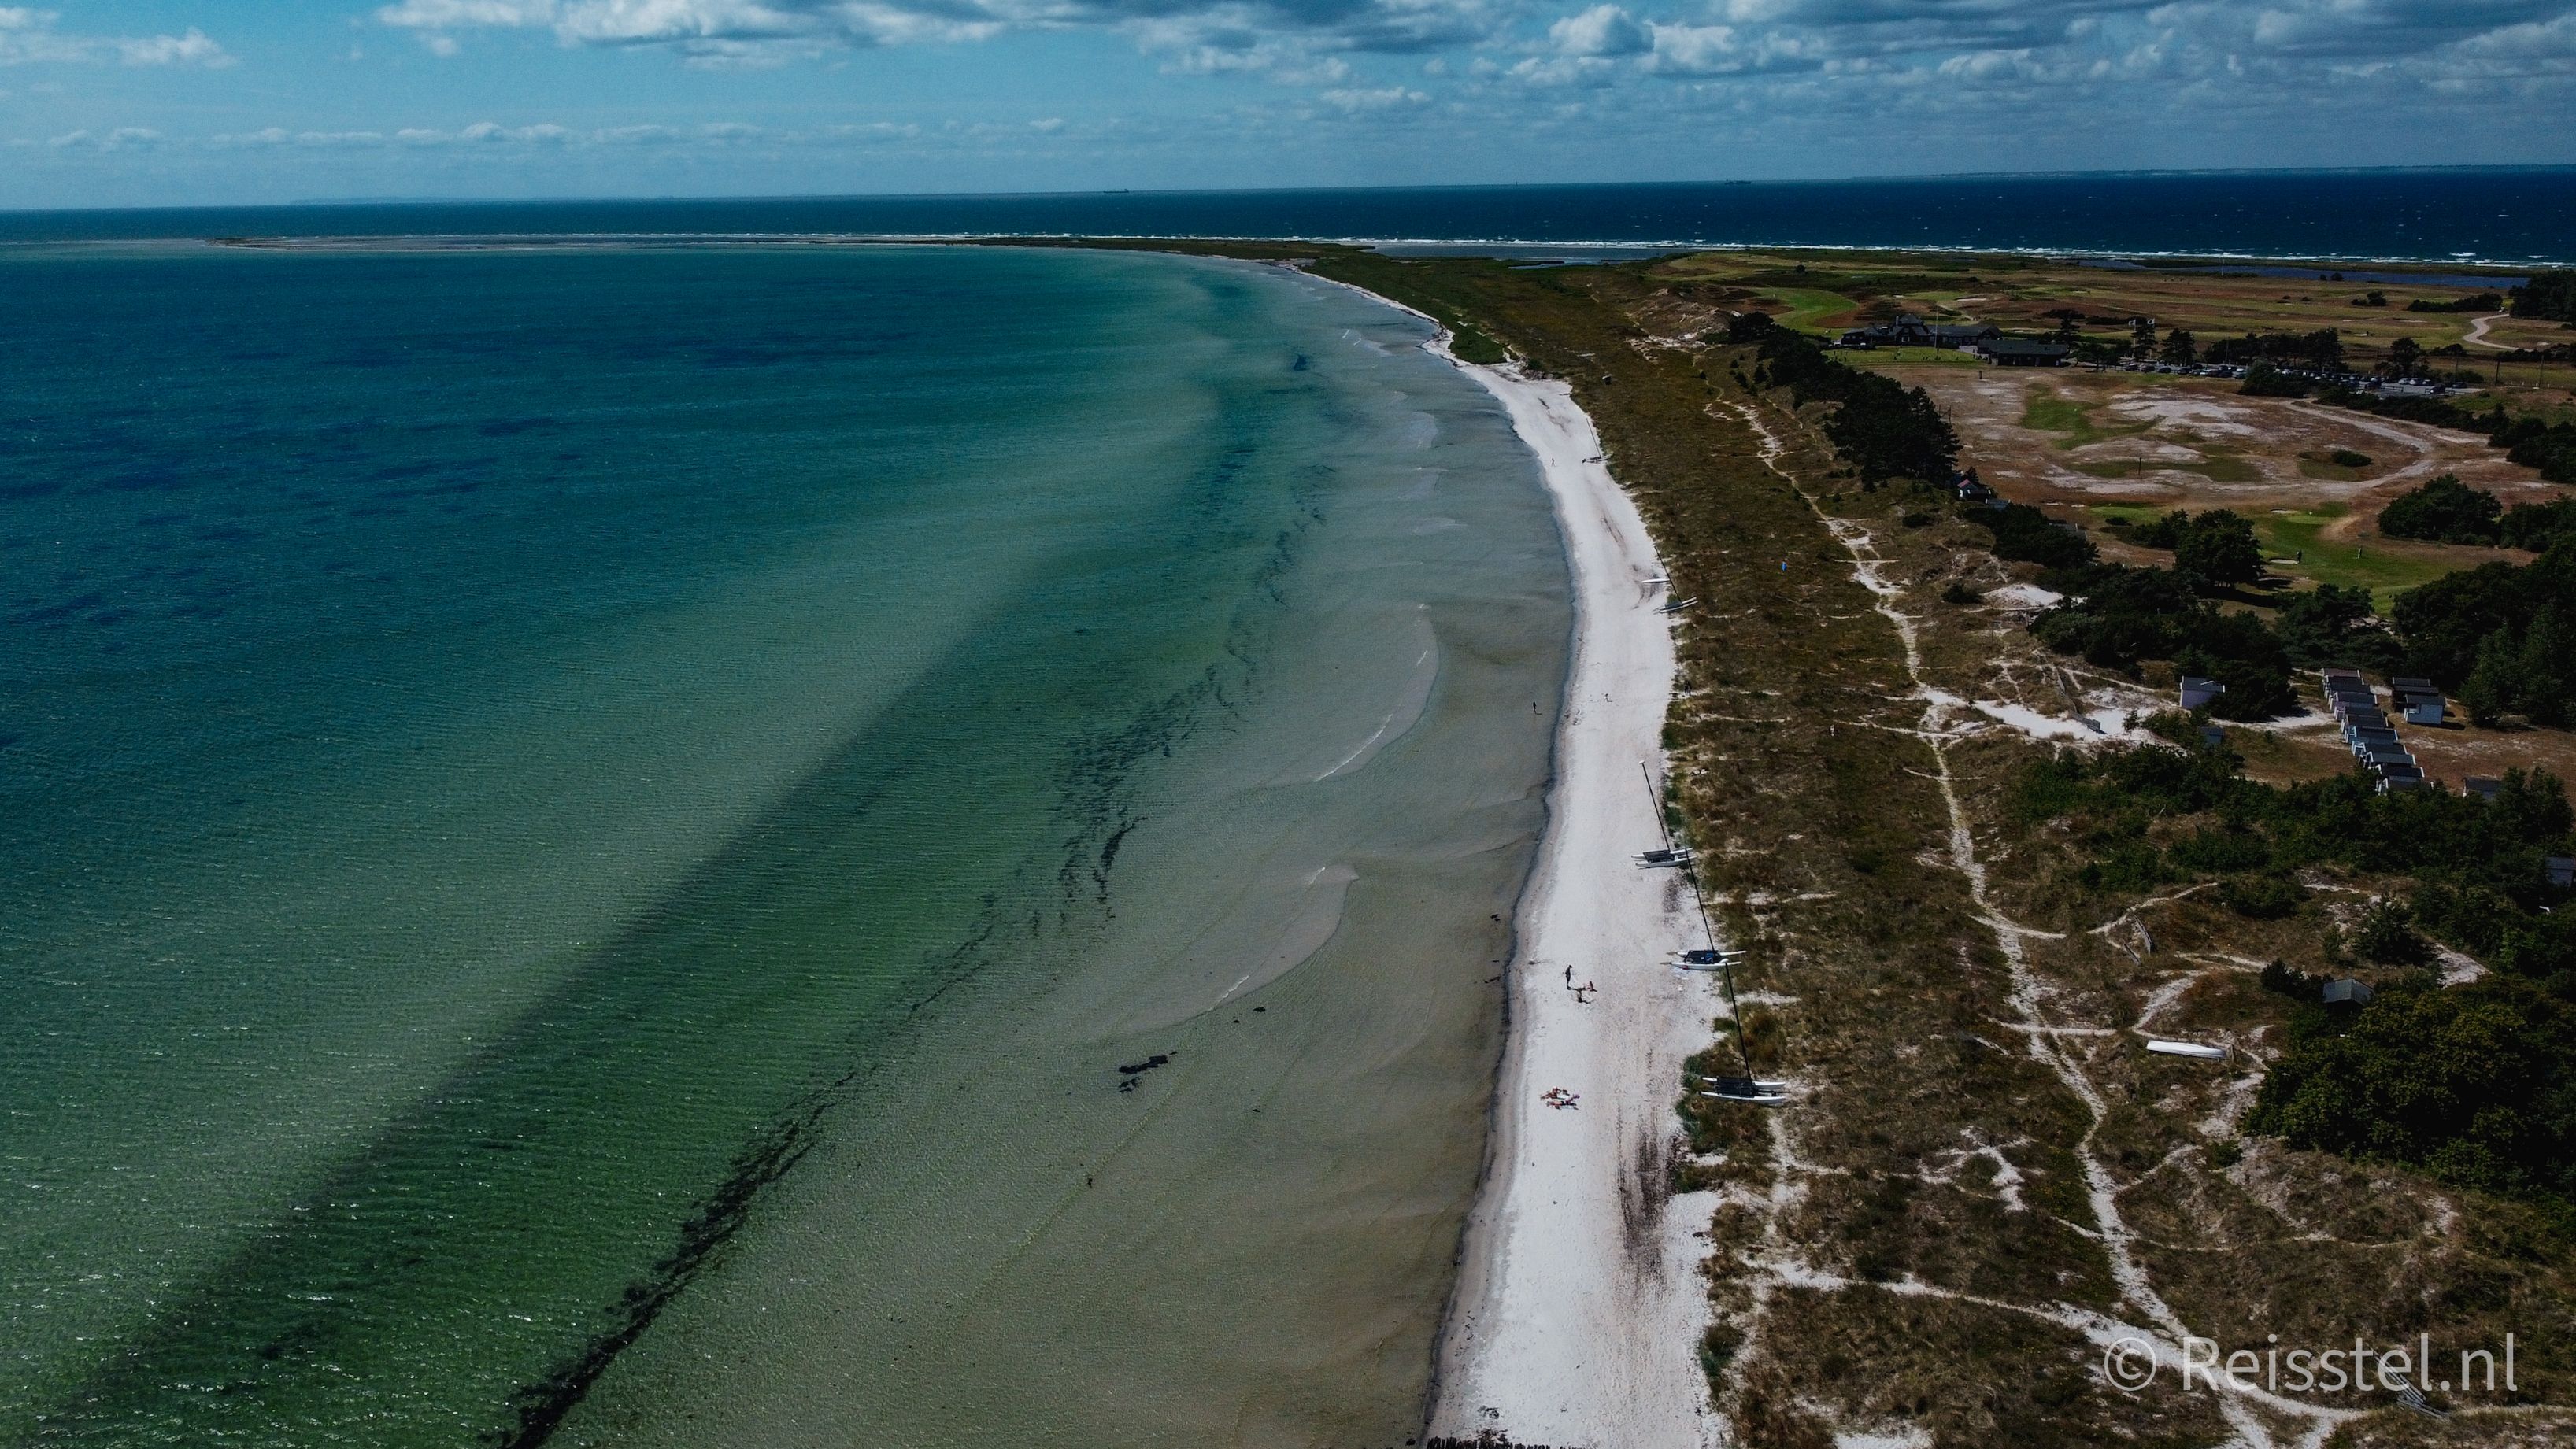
[
  {"x": 2025, "y": 534},
  {"x": 2444, "y": 510},
  {"x": 2262, "y": 380},
  {"x": 2472, "y": 1084},
  {"x": 2550, "y": 296},
  {"x": 2387, "y": 936},
  {"x": 2120, "y": 616},
  {"x": 2332, "y": 624},
  {"x": 2474, "y": 302},
  {"x": 2262, "y": 897}
]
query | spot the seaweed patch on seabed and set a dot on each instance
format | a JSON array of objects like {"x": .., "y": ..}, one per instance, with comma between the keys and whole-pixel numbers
[{"x": 542, "y": 1406}]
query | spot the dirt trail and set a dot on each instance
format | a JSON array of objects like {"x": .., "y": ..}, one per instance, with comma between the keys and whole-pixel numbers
[{"x": 2165, "y": 1330}]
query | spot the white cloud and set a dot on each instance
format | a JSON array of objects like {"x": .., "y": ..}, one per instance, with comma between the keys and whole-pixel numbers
[
  {"x": 192, "y": 48},
  {"x": 1373, "y": 100},
  {"x": 28, "y": 36},
  {"x": 492, "y": 136},
  {"x": 744, "y": 30},
  {"x": 123, "y": 138},
  {"x": 442, "y": 14},
  {"x": 1602, "y": 30}
]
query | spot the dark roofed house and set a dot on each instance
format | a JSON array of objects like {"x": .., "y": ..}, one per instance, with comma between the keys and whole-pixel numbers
[
  {"x": 2484, "y": 787},
  {"x": 1908, "y": 330},
  {"x": 2561, "y": 869},
  {"x": 1967, "y": 338},
  {"x": 2017, "y": 352},
  {"x": 2344, "y": 988}
]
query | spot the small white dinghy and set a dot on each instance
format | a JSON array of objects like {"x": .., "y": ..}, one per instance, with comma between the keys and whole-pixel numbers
[
  {"x": 1760, "y": 1091},
  {"x": 2191, "y": 1049}
]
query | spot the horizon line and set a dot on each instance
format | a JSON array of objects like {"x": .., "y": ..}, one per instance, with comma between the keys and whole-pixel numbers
[{"x": 1847, "y": 180}]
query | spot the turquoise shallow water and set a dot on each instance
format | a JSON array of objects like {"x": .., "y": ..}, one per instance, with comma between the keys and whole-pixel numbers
[{"x": 582, "y": 837}]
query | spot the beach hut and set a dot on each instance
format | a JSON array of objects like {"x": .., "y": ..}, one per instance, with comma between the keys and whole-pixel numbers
[
  {"x": 2421, "y": 709},
  {"x": 2344, "y": 988},
  {"x": 2197, "y": 691},
  {"x": 2561, "y": 869},
  {"x": 2483, "y": 787},
  {"x": 2212, "y": 736}
]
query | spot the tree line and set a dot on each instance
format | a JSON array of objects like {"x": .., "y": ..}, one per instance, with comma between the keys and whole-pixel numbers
[{"x": 1882, "y": 428}]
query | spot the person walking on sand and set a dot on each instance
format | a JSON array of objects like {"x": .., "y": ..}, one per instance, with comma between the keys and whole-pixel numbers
[{"x": 1569, "y": 977}]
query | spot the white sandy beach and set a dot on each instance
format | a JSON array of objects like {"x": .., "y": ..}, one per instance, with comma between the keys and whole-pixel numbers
[{"x": 1580, "y": 1301}]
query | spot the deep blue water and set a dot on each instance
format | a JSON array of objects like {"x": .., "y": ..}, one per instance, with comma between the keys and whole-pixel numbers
[{"x": 2489, "y": 214}]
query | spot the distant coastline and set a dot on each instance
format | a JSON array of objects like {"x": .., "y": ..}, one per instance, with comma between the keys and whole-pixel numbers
[{"x": 2477, "y": 217}]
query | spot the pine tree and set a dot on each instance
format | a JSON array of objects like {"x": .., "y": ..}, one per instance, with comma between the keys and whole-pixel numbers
[
  {"x": 2489, "y": 691},
  {"x": 2548, "y": 649}
]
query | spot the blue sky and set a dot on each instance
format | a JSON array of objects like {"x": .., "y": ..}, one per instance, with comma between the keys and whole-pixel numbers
[{"x": 168, "y": 102}]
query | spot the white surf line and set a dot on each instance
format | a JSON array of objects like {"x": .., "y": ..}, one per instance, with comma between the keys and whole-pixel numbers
[
  {"x": 1382, "y": 727},
  {"x": 2103, "y": 1194}
]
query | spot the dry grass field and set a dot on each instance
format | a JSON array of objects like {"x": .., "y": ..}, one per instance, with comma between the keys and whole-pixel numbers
[
  {"x": 2092, "y": 447},
  {"x": 1826, "y": 291}
]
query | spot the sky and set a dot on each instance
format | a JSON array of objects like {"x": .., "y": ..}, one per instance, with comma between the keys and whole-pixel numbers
[{"x": 201, "y": 102}]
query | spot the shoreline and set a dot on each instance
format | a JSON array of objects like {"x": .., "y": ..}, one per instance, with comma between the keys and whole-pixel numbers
[{"x": 1577, "y": 1311}]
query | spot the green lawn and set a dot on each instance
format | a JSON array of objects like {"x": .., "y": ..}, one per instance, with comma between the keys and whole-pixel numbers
[
  {"x": 2291, "y": 542},
  {"x": 2364, "y": 564},
  {"x": 2050, "y": 413},
  {"x": 2216, "y": 467},
  {"x": 1807, "y": 305},
  {"x": 1911, "y": 357}
]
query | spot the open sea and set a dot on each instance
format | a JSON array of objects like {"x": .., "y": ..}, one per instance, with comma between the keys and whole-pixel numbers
[
  {"x": 2504, "y": 216},
  {"x": 758, "y": 846}
]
